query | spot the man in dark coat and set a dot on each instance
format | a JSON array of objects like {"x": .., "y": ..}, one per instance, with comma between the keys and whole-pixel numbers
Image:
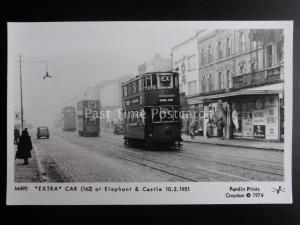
[{"x": 24, "y": 147}]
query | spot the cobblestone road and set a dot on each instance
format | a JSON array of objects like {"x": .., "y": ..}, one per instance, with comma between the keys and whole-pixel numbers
[{"x": 71, "y": 158}]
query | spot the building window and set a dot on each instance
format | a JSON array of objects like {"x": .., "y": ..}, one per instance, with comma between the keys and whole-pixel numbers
[
  {"x": 192, "y": 88},
  {"x": 241, "y": 41},
  {"x": 220, "y": 50},
  {"x": 228, "y": 46},
  {"x": 191, "y": 62},
  {"x": 133, "y": 87},
  {"x": 202, "y": 57},
  {"x": 125, "y": 91},
  {"x": 252, "y": 65},
  {"x": 209, "y": 54},
  {"x": 269, "y": 55},
  {"x": 221, "y": 80},
  {"x": 210, "y": 81},
  {"x": 129, "y": 89},
  {"x": 241, "y": 68},
  {"x": 229, "y": 79},
  {"x": 280, "y": 52}
]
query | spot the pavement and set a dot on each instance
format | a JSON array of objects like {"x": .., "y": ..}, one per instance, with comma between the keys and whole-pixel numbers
[
  {"x": 268, "y": 145},
  {"x": 27, "y": 173}
]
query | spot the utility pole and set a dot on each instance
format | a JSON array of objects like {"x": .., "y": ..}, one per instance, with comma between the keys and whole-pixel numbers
[{"x": 22, "y": 119}]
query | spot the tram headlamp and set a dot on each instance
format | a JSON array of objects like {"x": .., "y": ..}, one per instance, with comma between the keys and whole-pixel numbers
[{"x": 150, "y": 135}]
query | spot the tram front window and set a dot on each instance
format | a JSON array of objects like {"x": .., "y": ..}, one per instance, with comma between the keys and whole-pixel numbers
[
  {"x": 155, "y": 112},
  {"x": 165, "y": 114}
]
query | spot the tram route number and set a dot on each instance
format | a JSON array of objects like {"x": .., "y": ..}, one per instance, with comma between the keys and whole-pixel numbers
[
  {"x": 86, "y": 189},
  {"x": 178, "y": 189}
]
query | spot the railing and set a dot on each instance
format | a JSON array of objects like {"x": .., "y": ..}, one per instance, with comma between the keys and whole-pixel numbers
[{"x": 257, "y": 77}]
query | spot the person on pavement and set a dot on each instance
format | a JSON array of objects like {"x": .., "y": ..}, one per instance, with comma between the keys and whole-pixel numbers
[
  {"x": 16, "y": 136},
  {"x": 220, "y": 127},
  {"x": 24, "y": 147},
  {"x": 192, "y": 128},
  {"x": 209, "y": 128}
]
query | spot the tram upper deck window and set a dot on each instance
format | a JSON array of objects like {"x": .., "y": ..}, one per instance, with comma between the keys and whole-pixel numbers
[
  {"x": 150, "y": 81},
  {"x": 147, "y": 82},
  {"x": 165, "y": 81},
  {"x": 154, "y": 81}
]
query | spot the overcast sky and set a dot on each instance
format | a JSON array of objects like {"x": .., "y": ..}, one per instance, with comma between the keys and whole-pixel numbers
[{"x": 80, "y": 55}]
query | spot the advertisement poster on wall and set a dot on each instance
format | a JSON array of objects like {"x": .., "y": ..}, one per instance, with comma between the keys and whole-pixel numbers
[{"x": 272, "y": 117}]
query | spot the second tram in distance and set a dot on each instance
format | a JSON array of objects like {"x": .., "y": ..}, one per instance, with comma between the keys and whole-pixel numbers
[{"x": 151, "y": 106}]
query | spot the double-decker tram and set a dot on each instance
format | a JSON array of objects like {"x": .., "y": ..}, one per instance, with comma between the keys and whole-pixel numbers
[
  {"x": 68, "y": 118},
  {"x": 151, "y": 106}
]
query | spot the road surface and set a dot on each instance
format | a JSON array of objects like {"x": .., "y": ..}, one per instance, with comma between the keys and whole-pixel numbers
[{"x": 68, "y": 157}]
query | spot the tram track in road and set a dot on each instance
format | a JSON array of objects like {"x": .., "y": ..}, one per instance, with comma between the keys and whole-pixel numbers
[
  {"x": 257, "y": 161},
  {"x": 142, "y": 157},
  {"x": 203, "y": 174},
  {"x": 202, "y": 168},
  {"x": 260, "y": 166},
  {"x": 135, "y": 157},
  {"x": 231, "y": 164}
]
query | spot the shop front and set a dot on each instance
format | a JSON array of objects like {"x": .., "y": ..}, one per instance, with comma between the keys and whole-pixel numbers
[{"x": 254, "y": 115}]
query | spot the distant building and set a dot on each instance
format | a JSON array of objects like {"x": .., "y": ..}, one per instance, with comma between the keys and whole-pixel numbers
[
  {"x": 110, "y": 99},
  {"x": 157, "y": 63},
  {"x": 89, "y": 93}
]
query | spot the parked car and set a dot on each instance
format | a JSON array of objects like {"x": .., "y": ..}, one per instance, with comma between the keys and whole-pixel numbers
[
  {"x": 119, "y": 128},
  {"x": 42, "y": 132}
]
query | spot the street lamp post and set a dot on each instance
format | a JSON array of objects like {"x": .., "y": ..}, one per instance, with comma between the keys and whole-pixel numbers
[
  {"x": 22, "y": 120},
  {"x": 21, "y": 88}
]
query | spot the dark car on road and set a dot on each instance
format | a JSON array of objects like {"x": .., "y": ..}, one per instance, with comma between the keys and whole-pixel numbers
[
  {"x": 42, "y": 132},
  {"x": 119, "y": 128}
]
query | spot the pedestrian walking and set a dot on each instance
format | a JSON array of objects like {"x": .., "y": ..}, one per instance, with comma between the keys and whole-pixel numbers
[
  {"x": 24, "y": 147},
  {"x": 16, "y": 136},
  {"x": 220, "y": 127}
]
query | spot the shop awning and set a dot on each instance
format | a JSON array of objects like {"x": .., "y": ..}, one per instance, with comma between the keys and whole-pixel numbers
[{"x": 199, "y": 99}]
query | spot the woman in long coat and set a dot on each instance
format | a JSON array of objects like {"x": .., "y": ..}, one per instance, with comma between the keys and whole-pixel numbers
[{"x": 24, "y": 147}]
